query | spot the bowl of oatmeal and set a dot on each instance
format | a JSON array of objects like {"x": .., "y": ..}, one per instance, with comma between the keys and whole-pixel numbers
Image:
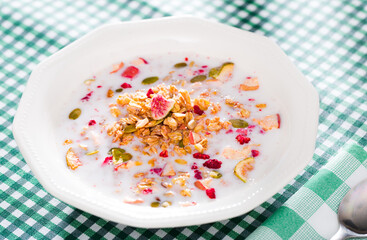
[{"x": 198, "y": 122}]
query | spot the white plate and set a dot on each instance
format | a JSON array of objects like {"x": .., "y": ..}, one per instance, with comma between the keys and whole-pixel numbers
[{"x": 53, "y": 80}]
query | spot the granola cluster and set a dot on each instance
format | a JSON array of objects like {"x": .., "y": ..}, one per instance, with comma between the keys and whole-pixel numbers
[{"x": 180, "y": 130}]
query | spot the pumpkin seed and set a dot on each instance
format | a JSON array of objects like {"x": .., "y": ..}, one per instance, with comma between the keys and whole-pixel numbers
[
  {"x": 119, "y": 156},
  {"x": 89, "y": 81},
  {"x": 75, "y": 114},
  {"x": 158, "y": 122},
  {"x": 119, "y": 90},
  {"x": 155, "y": 204},
  {"x": 150, "y": 80},
  {"x": 180, "y": 143},
  {"x": 214, "y": 72},
  {"x": 130, "y": 128},
  {"x": 198, "y": 78},
  {"x": 119, "y": 149},
  {"x": 215, "y": 174},
  {"x": 180, "y": 65},
  {"x": 239, "y": 123},
  {"x": 93, "y": 152}
]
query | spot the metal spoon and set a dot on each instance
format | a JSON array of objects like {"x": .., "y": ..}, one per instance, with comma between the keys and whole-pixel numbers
[{"x": 352, "y": 213}]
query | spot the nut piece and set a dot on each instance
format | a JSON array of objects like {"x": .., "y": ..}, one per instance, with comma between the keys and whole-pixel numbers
[{"x": 141, "y": 123}]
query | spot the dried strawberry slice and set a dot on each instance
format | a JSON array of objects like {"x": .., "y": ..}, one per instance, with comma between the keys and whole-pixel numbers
[
  {"x": 130, "y": 72},
  {"x": 126, "y": 85}
]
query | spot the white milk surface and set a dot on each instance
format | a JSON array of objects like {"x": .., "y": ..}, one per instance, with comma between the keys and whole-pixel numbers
[{"x": 121, "y": 184}]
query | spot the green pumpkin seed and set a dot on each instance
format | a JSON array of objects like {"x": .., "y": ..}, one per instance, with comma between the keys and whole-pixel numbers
[
  {"x": 117, "y": 149},
  {"x": 91, "y": 153},
  {"x": 198, "y": 78},
  {"x": 214, "y": 72},
  {"x": 158, "y": 122},
  {"x": 180, "y": 65},
  {"x": 130, "y": 128},
  {"x": 119, "y": 156},
  {"x": 180, "y": 143},
  {"x": 119, "y": 90},
  {"x": 150, "y": 80},
  {"x": 155, "y": 204},
  {"x": 215, "y": 174},
  {"x": 89, "y": 81},
  {"x": 239, "y": 123},
  {"x": 75, "y": 114}
]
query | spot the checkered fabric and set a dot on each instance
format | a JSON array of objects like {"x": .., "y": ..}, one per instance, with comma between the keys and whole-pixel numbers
[
  {"x": 325, "y": 39},
  {"x": 311, "y": 213}
]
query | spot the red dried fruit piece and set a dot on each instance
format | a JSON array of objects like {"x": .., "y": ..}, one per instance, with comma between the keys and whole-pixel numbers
[
  {"x": 130, "y": 72},
  {"x": 86, "y": 98},
  {"x": 213, "y": 164},
  {"x": 198, "y": 175},
  {"x": 147, "y": 191},
  {"x": 126, "y": 85},
  {"x": 200, "y": 156},
  {"x": 107, "y": 161},
  {"x": 164, "y": 154},
  {"x": 242, "y": 139},
  {"x": 91, "y": 123},
  {"x": 255, "y": 153},
  {"x": 145, "y": 61},
  {"x": 230, "y": 131},
  {"x": 210, "y": 193},
  {"x": 149, "y": 93},
  {"x": 160, "y": 107},
  {"x": 197, "y": 110},
  {"x": 99, "y": 86},
  {"x": 194, "y": 166},
  {"x": 156, "y": 171},
  {"x": 242, "y": 131}
]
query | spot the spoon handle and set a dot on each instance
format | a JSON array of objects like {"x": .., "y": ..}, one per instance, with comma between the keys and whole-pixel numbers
[{"x": 340, "y": 234}]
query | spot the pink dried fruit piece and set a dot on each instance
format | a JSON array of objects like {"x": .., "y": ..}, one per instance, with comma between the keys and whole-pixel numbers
[
  {"x": 194, "y": 138},
  {"x": 168, "y": 171},
  {"x": 243, "y": 167},
  {"x": 269, "y": 122},
  {"x": 160, "y": 107},
  {"x": 130, "y": 72}
]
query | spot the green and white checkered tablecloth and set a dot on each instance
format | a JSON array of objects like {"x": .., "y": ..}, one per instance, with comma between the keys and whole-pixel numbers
[{"x": 326, "y": 40}]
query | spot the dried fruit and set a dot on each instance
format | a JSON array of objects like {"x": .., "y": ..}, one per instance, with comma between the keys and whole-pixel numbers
[
  {"x": 117, "y": 67},
  {"x": 215, "y": 174},
  {"x": 126, "y": 85},
  {"x": 119, "y": 156},
  {"x": 93, "y": 152},
  {"x": 75, "y": 113},
  {"x": 180, "y": 65},
  {"x": 107, "y": 160},
  {"x": 119, "y": 90},
  {"x": 250, "y": 84},
  {"x": 225, "y": 71},
  {"x": 198, "y": 78},
  {"x": 194, "y": 138},
  {"x": 109, "y": 93},
  {"x": 241, "y": 169},
  {"x": 160, "y": 107},
  {"x": 198, "y": 175},
  {"x": 164, "y": 154},
  {"x": 197, "y": 110},
  {"x": 87, "y": 97},
  {"x": 213, "y": 164},
  {"x": 230, "y": 153},
  {"x": 200, "y": 156},
  {"x": 149, "y": 93},
  {"x": 150, "y": 80},
  {"x": 130, "y": 72},
  {"x": 242, "y": 139},
  {"x": 168, "y": 170},
  {"x": 238, "y": 123},
  {"x": 255, "y": 153},
  {"x": 194, "y": 166},
  {"x": 269, "y": 122},
  {"x": 91, "y": 122},
  {"x": 210, "y": 193},
  {"x": 72, "y": 159},
  {"x": 166, "y": 204},
  {"x": 89, "y": 81},
  {"x": 157, "y": 171}
]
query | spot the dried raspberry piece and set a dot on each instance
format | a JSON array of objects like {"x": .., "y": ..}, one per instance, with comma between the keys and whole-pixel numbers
[
  {"x": 197, "y": 110},
  {"x": 91, "y": 123},
  {"x": 164, "y": 154},
  {"x": 242, "y": 139},
  {"x": 194, "y": 166},
  {"x": 130, "y": 72},
  {"x": 255, "y": 153},
  {"x": 147, "y": 191},
  {"x": 99, "y": 86},
  {"x": 213, "y": 163},
  {"x": 86, "y": 98},
  {"x": 242, "y": 131},
  {"x": 126, "y": 85},
  {"x": 156, "y": 170},
  {"x": 211, "y": 193},
  {"x": 229, "y": 131},
  {"x": 198, "y": 175},
  {"x": 107, "y": 160},
  {"x": 200, "y": 156},
  {"x": 150, "y": 92}
]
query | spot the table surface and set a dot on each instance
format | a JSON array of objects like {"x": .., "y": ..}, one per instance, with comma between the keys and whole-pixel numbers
[{"x": 325, "y": 39}]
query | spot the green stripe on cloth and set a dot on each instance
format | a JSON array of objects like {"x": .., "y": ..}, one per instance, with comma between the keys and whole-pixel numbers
[{"x": 311, "y": 213}]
